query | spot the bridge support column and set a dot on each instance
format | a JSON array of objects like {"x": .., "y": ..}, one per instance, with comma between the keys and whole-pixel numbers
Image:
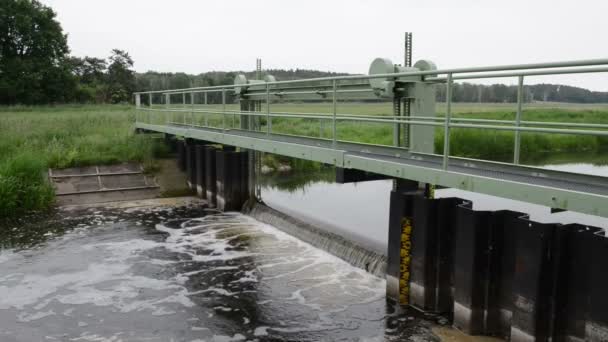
[
  {"x": 171, "y": 142},
  {"x": 195, "y": 162},
  {"x": 201, "y": 169},
  {"x": 432, "y": 253},
  {"x": 191, "y": 163},
  {"x": 524, "y": 280},
  {"x": 480, "y": 277},
  {"x": 420, "y": 249},
  {"x": 532, "y": 281},
  {"x": 210, "y": 175},
  {"x": 574, "y": 261},
  {"x": 399, "y": 234},
  {"x": 181, "y": 155},
  {"x": 201, "y": 188},
  {"x": 596, "y": 326},
  {"x": 232, "y": 188}
]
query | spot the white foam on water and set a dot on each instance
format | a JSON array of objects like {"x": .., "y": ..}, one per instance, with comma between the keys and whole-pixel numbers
[
  {"x": 90, "y": 337},
  {"x": 339, "y": 272},
  {"x": 198, "y": 328},
  {"x": 25, "y": 317},
  {"x": 222, "y": 338},
  {"x": 7, "y": 255},
  {"x": 101, "y": 271},
  {"x": 108, "y": 282},
  {"x": 261, "y": 331}
]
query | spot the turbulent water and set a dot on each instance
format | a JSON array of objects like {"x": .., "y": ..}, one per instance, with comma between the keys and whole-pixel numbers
[
  {"x": 350, "y": 251},
  {"x": 186, "y": 275}
]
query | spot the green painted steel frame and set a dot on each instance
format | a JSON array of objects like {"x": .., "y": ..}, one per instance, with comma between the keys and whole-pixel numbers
[
  {"x": 584, "y": 202},
  {"x": 569, "y": 191}
]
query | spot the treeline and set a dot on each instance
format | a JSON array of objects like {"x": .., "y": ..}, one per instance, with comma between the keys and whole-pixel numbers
[
  {"x": 153, "y": 80},
  {"x": 103, "y": 81},
  {"x": 37, "y": 68},
  {"x": 497, "y": 93}
]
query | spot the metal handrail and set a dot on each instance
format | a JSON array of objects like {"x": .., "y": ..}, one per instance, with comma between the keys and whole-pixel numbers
[
  {"x": 268, "y": 89},
  {"x": 549, "y": 65},
  {"x": 417, "y": 120}
]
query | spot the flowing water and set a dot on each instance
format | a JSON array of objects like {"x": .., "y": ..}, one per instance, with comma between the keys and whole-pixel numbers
[{"x": 184, "y": 274}]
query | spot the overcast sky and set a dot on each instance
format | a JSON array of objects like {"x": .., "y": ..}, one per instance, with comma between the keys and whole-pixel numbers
[{"x": 195, "y": 36}]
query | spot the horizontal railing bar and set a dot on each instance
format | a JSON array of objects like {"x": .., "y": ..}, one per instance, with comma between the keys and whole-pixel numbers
[
  {"x": 413, "y": 121},
  {"x": 283, "y": 93},
  {"x": 534, "y": 129},
  {"x": 572, "y": 124},
  {"x": 550, "y": 65},
  {"x": 378, "y": 118},
  {"x": 524, "y": 73}
]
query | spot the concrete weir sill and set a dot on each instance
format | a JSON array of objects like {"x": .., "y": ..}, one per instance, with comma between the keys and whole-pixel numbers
[
  {"x": 100, "y": 184},
  {"x": 347, "y": 250}
]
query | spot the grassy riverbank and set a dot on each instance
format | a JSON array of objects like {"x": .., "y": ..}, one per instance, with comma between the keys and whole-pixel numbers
[{"x": 36, "y": 138}]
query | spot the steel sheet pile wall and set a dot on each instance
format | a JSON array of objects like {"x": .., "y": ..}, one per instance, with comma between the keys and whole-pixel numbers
[
  {"x": 181, "y": 156},
  {"x": 191, "y": 162},
  {"x": 210, "y": 175},
  {"x": 171, "y": 142},
  {"x": 218, "y": 175},
  {"x": 499, "y": 273},
  {"x": 201, "y": 188},
  {"x": 231, "y": 178}
]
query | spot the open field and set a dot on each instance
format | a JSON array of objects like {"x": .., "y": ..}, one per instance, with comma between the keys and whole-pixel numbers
[{"x": 35, "y": 138}]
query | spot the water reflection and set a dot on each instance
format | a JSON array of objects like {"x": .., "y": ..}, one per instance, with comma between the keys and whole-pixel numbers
[{"x": 360, "y": 210}]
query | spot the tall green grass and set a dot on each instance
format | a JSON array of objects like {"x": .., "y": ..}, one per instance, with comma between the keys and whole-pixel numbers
[
  {"x": 466, "y": 142},
  {"x": 33, "y": 139}
]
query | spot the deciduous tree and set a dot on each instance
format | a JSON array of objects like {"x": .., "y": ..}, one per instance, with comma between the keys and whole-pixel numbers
[{"x": 33, "y": 55}]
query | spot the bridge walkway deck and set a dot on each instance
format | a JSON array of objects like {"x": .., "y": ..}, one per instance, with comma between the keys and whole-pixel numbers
[{"x": 557, "y": 189}]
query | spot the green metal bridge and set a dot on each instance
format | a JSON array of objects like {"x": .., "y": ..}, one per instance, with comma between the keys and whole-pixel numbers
[{"x": 242, "y": 115}]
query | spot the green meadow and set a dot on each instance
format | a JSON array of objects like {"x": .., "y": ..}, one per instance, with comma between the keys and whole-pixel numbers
[{"x": 34, "y": 139}]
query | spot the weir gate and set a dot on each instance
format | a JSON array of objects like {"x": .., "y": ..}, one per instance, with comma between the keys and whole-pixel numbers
[{"x": 493, "y": 272}]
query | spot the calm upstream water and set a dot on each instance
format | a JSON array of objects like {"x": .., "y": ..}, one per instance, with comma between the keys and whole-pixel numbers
[
  {"x": 360, "y": 210},
  {"x": 183, "y": 274}
]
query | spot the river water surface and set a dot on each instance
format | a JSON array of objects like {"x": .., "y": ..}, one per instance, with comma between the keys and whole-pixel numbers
[
  {"x": 183, "y": 274},
  {"x": 360, "y": 210}
]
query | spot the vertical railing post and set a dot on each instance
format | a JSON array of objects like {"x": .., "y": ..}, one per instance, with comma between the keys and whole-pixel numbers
[
  {"x": 335, "y": 112},
  {"x": 224, "y": 109},
  {"x": 137, "y": 107},
  {"x": 206, "y": 110},
  {"x": 397, "y": 119},
  {"x": 184, "y": 106},
  {"x": 150, "y": 112},
  {"x": 448, "y": 117},
  {"x": 168, "y": 105},
  {"x": 520, "y": 100},
  {"x": 192, "y": 109},
  {"x": 268, "y": 118}
]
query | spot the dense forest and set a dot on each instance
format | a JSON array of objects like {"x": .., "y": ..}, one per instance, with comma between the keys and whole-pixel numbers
[{"x": 36, "y": 68}]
